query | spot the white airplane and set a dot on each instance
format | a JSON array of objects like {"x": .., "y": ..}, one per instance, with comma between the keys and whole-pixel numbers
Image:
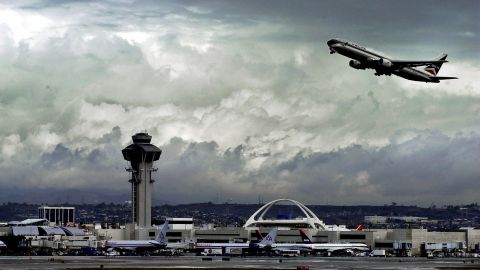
[
  {"x": 332, "y": 247},
  {"x": 140, "y": 245},
  {"x": 2, "y": 246},
  {"x": 222, "y": 245},
  {"x": 308, "y": 246},
  {"x": 268, "y": 244},
  {"x": 267, "y": 241},
  {"x": 364, "y": 58}
]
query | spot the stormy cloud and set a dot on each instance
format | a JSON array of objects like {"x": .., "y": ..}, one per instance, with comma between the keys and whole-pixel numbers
[{"x": 243, "y": 97}]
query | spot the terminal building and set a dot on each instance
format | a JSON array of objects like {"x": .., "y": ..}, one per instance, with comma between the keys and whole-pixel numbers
[
  {"x": 57, "y": 215},
  {"x": 396, "y": 241}
]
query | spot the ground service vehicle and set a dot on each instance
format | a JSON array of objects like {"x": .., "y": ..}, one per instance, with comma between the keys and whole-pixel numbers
[{"x": 378, "y": 253}]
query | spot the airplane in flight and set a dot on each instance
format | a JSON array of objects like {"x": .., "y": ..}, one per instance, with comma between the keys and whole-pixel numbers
[
  {"x": 367, "y": 59},
  {"x": 140, "y": 246}
]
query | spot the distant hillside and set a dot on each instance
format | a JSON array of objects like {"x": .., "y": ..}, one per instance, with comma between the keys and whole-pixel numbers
[{"x": 444, "y": 218}]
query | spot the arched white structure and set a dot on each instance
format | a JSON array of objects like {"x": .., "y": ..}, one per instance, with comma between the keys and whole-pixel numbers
[{"x": 310, "y": 220}]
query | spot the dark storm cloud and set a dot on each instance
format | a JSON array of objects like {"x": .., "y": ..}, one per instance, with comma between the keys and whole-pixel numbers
[
  {"x": 243, "y": 98},
  {"x": 391, "y": 26},
  {"x": 415, "y": 171},
  {"x": 435, "y": 164}
]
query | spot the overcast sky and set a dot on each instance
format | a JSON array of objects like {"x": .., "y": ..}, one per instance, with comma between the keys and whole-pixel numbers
[{"x": 244, "y": 99}]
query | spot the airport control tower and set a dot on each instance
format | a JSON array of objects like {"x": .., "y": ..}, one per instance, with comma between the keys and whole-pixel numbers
[{"x": 141, "y": 155}]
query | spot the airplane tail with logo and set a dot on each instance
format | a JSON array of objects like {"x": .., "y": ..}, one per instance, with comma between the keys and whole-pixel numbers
[
  {"x": 162, "y": 235},
  {"x": 433, "y": 69},
  {"x": 270, "y": 238},
  {"x": 305, "y": 238},
  {"x": 258, "y": 235}
]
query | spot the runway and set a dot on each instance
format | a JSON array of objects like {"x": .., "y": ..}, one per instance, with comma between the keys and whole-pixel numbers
[{"x": 195, "y": 262}]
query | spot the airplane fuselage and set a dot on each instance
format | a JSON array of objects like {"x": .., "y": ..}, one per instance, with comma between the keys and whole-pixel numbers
[
  {"x": 222, "y": 245},
  {"x": 320, "y": 246},
  {"x": 368, "y": 59},
  {"x": 134, "y": 245}
]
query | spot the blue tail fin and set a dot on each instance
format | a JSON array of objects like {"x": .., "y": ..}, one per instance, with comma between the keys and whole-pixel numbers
[
  {"x": 270, "y": 238},
  {"x": 162, "y": 235}
]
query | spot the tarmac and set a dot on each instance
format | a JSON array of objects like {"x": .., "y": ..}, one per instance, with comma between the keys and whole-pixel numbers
[{"x": 221, "y": 263}]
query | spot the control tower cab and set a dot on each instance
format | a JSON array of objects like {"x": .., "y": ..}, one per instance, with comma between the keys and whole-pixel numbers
[{"x": 141, "y": 155}]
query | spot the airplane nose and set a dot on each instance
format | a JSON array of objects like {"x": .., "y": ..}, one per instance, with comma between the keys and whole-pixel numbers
[{"x": 331, "y": 42}]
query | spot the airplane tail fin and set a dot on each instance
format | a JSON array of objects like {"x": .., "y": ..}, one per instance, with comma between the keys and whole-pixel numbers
[
  {"x": 359, "y": 228},
  {"x": 258, "y": 235},
  {"x": 270, "y": 238},
  {"x": 162, "y": 235},
  {"x": 434, "y": 68},
  {"x": 305, "y": 238}
]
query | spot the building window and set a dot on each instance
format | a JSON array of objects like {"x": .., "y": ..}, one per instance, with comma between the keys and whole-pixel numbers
[
  {"x": 384, "y": 245},
  {"x": 352, "y": 236}
]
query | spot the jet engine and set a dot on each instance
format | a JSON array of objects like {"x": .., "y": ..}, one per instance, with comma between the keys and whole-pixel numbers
[
  {"x": 384, "y": 63},
  {"x": 356, "y": 64}
]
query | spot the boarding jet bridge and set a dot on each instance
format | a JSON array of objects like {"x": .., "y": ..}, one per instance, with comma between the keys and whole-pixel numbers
[{"x": 310, "y": 221}]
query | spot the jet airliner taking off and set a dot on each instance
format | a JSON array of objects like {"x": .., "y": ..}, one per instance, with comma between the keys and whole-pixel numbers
[{"x": 364, "y": 58}]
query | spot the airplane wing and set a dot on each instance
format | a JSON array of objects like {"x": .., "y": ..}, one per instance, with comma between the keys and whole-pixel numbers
[
  {"x": 299, "y": 248},
  {"x": 403, "y": 63},
  {"x": 445, "y": 78},
  {"x": 335, "y": 249}
]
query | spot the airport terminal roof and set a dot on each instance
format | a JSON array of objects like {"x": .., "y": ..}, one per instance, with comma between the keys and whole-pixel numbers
[
  {"x": 47, "y": 230},
  {"x": 51, "y": 230},
  {"x": 25, "y": 230},
  {"x": 73, "y": 231},
  {"x": 28, "y": 222}
]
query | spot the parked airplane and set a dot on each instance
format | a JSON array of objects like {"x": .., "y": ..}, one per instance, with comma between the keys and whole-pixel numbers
[
  {"x": 140, "y": 245},
  {"x": 364, "y": 58},
  {"x": 2, "y": 246},
  {"x": 307, "y": 246},
  {"x": 268, "y": 244},
  {"x": 268, "y": 240},
  {"x": 222, "y": 245},
  {"x": 332, "y": 247}
]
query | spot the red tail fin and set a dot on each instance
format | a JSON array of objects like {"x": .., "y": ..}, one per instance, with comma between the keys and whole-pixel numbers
[
  {"x": 433, "y": 69},
  {"x": 305, "y": 238},
  {"x": 359, "y": 228},
  {"x": 258, "y": 235}
]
